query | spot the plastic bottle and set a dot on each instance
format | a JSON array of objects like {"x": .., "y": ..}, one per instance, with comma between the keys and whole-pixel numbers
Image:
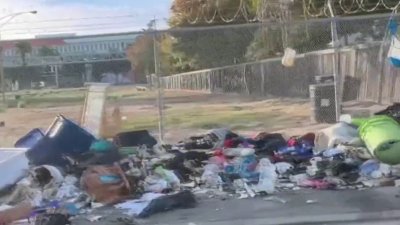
[{"x": 267, "y": 177}]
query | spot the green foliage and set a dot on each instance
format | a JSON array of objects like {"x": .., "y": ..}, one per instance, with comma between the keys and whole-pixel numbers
[
  {"x": 212, "y": 48},
  {"x": 207, "y": 48},
  {"x": 46, "y": 51},
  {"x": 24, "y": 47}
]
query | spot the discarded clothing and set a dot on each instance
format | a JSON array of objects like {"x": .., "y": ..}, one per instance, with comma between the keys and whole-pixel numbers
[
  {"x": 392, "y": 111},
  {"x": 374, "y": 169},
  {"x": 52, "y": 219},
  {"x": 267, "y": 143},
  {"x": 135, "y": 207},
  {"x": 184, "y": 199},
  {"x": 317, "y": 184}
]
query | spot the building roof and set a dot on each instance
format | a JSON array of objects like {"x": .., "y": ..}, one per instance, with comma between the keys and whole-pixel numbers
[{"x": 35, "y": 42}]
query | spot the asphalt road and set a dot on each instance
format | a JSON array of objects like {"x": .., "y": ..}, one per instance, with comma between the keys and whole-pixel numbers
[
  {"x": 330, "y": 207},
  {"x": 373, "y": 206}
]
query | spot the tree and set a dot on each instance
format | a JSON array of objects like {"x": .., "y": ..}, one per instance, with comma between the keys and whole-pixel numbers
[
  {"x": 140, "y": 54},
  {"x": 23, "y": 47},
  {"x": 46, "y": 51},
  {"x": 206, "y": 48}
]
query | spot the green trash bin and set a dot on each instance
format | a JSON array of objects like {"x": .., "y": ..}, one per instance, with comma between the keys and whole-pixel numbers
[{"x": 381, "y": 135}]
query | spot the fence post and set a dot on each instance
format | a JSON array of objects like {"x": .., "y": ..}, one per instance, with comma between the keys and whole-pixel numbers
[
  {"x": 380, "y": 78},
  {"x": 262, "y": 79},
  {"x": 209, "y": 82},
  {"x": 335, "y": 61}
]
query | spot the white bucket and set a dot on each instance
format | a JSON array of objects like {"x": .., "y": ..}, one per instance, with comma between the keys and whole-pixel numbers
[{"x": 289, "y": 57}]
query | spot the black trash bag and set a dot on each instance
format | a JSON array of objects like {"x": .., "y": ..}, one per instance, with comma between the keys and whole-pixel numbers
[
  {"x": 267, "y": 143},
  {"x": 134, "y": 138},
  {"x": 52, "y": 219},
  {"x": 184, "y": 199},
  {"x": 392, "y": 111}
]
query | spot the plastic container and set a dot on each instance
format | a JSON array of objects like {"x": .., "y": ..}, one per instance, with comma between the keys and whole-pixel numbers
[
  {"x": 14, "y": 164},
  {"x": 134, "y": 138},
  {"x": 63, "y": 137},
  {"x": 381, "y": 135},
  {"x": 30, "y": 139},
  {"x": 322, "y": 98}
]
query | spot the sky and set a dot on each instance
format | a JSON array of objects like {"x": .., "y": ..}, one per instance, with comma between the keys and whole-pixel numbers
[{"x": 80, "y": 16}]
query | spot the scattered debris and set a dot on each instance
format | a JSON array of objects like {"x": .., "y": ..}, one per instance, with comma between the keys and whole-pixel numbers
[
  {"x": 311, "y": 201},
  {"x": 74, "y": 173},
  {"x": 275, "y": 199}
]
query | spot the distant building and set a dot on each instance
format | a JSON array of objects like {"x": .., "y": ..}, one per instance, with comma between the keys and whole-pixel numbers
[{"x": 70, "y": 44}]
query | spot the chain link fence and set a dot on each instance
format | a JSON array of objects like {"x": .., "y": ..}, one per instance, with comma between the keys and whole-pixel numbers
[
  {"x": 190, "y": 80},
  {"x": 240, "y": 83}
]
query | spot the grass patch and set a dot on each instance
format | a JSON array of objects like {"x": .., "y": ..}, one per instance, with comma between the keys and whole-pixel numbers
[{"x": 208, "y": 117}]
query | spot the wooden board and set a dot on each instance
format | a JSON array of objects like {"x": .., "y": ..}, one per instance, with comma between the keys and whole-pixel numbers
[{"x": 93, "y": 109}]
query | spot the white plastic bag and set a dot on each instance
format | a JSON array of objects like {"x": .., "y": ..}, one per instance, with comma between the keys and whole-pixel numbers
[
  {"x": 210, "y": 176},
  {"x": 289, "y": 57},
  {"x": 283, "y": 167},
  {"x": 155, "y": 184},
  {"x": 268, "y": 176},
  {"x": 169, "y": 176}
]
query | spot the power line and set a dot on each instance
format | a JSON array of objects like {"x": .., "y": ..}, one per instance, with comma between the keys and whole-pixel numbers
[
  {"x": 75, "y": 19},
  {"x": 72, "y": 26},
  {"x": 67, "y": 30}
]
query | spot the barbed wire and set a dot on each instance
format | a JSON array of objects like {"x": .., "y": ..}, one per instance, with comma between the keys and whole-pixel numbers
[{"x": 209, "y": 10}]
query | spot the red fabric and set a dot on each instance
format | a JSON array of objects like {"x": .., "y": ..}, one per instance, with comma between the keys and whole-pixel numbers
[
  {"x": 230, "y": 143},
  {"x": 317, "y": 184},
  {"x": 292, "y": 142},
  {"x": 218, "y": 152}
]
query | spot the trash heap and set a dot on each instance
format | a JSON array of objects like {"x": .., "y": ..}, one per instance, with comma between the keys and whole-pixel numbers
[{"x": 71, "y": 173}]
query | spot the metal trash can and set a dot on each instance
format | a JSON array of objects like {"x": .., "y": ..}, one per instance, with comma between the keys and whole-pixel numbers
[
  {"x": 321, "y": 79},
  {"x": 322, "y": 98}
]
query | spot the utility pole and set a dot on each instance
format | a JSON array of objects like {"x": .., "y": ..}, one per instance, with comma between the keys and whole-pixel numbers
[
  {"x": 335, "y": 61},
  {"x": 2, "y": 77},
  {"x": 56, "y": 75},
  {"x": 159, "y": 88}
]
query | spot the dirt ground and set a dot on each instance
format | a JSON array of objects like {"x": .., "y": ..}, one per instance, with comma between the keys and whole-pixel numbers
[{"x": 185, "y": 113}]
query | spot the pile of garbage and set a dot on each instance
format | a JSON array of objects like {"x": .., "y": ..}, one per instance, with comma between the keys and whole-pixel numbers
[{"x": 72, "y": 173}]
